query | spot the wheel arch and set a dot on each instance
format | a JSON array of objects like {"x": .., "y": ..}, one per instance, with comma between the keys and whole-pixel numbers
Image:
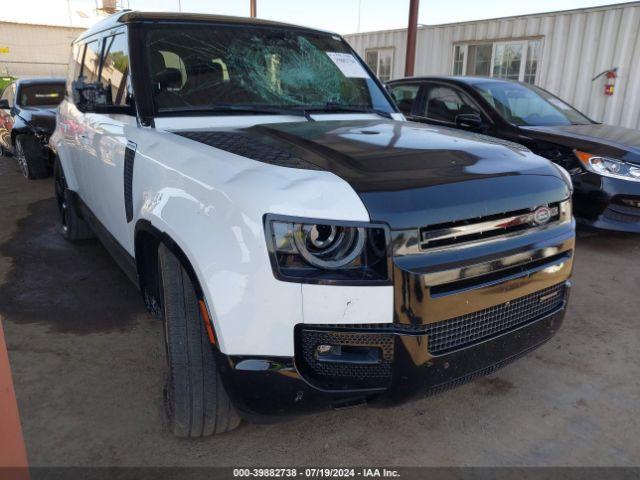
[{"x": 147, "y": 240}]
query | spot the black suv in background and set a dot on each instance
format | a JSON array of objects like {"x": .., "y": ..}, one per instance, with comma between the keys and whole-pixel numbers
[
  {"x": 603, "y": 160},
  {"x": 27, "y": 120}
]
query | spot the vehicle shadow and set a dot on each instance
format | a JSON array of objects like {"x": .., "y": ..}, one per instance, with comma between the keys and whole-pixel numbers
[{"x": 75, "y": 288}]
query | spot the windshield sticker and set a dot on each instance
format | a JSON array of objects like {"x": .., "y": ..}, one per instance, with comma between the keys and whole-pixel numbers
[{"x": 348, "y": 65}]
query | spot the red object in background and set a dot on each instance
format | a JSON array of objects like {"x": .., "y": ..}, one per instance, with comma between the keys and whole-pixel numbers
[
  {"x": 13, "y": 455},
  {"x": 610, "y": 83},
  {"x": 610, "y": 80}
]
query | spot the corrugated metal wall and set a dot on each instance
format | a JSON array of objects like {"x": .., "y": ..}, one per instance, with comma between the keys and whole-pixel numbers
[
  {"x": 35, "y": 50},
  {"x": 577, "y": 45}
]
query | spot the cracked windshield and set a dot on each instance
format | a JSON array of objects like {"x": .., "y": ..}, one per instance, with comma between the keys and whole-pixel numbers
[{"x": 260, "y": 70}]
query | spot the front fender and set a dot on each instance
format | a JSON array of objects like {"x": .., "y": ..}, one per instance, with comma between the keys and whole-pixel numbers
[
  {"x": 212, "y": 203},
  {"x": 232, "y": 266}
]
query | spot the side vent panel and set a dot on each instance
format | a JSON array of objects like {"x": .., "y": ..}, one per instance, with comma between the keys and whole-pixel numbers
[{"x": 129, "y": 156}]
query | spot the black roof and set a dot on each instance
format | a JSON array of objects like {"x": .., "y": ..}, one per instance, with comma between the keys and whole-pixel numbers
[{"x": 128, "y": 16}]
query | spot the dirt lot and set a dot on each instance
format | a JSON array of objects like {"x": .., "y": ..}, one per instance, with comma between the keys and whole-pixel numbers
[{"x": 87, "y": 364}]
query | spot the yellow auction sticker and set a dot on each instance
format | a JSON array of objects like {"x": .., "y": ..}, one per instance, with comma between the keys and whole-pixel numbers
[{"x": 4, "y": 49}]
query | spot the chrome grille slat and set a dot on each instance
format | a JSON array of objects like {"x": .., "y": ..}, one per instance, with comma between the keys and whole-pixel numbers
[{"x": 478, "y": 229}]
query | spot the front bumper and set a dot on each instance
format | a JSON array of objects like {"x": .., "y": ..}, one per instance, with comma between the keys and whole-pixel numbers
[
  {"x": 261, "y": 386},
  {"x": 599, "y": 202},
  {"x": 458, "y": 313}
]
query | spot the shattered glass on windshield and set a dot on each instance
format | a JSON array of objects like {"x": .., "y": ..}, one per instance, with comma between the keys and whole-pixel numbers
[{"x": 197, "y": 68}]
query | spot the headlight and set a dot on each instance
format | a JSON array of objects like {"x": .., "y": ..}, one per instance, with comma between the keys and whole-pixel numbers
[
  {"x": 609, "y": 167},
  {"x": 345, "y": 253}
]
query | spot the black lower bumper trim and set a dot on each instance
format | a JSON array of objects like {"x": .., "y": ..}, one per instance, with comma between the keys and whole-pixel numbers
[{"x": 278, "y": 389}]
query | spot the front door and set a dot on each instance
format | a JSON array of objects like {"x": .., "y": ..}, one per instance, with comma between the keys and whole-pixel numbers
[
  {"x": 104, "y": 157},
  {"x": 442, "y": 104}
]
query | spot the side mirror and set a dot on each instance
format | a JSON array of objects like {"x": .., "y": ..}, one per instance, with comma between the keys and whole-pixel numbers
[
  {"x": 469, "y": 120},
  {"x": 90, "y": 96},
  {"x": 4, "y": 104}
]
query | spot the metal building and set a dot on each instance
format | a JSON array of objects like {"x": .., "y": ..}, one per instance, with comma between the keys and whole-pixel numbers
[
  {"x": 559, "y": 51},
  {"x": 28, "y": 50}
]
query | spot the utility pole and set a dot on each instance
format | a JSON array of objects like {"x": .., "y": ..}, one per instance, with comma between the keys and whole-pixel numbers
[
  {"x": 179, "y": 6},
  {"x": 412, "y": 33},
  {"x": 253, "y": 9}
]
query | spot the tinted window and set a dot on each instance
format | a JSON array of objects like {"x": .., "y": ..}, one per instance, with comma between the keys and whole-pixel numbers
[
  {"x": 91, "y": 63},
  {"x": 529, "y": 105},
  {"x": 199, "y": 68},
  {"x": 405, "y": 96},
  {"x": 445, "y": 103},
  {"x": 41, "y": 94},
  {"x": 115, "y": 69}
]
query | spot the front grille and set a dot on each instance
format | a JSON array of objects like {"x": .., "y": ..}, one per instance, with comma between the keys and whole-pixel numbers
[
  {"x": 472, "y": 328},
  {"x": 481, "y": 228}
]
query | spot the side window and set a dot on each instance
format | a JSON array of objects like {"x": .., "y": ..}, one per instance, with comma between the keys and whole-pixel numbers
[
  {"x": 115, "y": 69},
  {"x": 405, "y": 96},
  {"x": 91, "y": 63},
  {"x": 445, "y": 103},
  {"x": 75, "y": 65}
]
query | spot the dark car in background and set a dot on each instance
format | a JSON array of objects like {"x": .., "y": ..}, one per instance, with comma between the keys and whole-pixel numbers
[
  {"x": 27, "y": 120},
  {"x": 603, "y": 160}
]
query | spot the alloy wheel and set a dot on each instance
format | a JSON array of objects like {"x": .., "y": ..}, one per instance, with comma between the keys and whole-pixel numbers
[{"x": 21, "y": 159}]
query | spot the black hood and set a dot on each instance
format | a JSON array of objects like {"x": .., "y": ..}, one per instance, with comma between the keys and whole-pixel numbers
[
  {"x": 597, "y": 138},
  {"x": 41, "y": 118},
  {"x": 408, "y": 174}
]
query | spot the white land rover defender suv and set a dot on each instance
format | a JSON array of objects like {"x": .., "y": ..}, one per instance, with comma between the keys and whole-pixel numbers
[{"x": 304, "y": 246}]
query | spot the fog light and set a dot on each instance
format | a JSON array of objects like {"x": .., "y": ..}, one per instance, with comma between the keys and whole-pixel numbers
[
  {"x": 322, "y": 349},
  {"x": 348, "y": 354}
]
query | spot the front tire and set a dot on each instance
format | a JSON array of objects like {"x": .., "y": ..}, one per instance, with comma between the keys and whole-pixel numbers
[
  {"x": 196, "y": 401},
  {"x": 31, "y": 157}
]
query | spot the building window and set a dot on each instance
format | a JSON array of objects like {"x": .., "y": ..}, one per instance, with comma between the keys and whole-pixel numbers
[
  {"x": 534, "y": 50},
  {"x": 380, "y": 61},
  {"x": 513, "y": 60},
  {"x": 458, "y": 59},
  {"x": 479, "y": 61},
  {"x": 507, "y": 60}
]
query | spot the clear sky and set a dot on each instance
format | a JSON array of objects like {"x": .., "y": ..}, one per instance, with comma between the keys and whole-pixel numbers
[{"x": 342, "y": 16}]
